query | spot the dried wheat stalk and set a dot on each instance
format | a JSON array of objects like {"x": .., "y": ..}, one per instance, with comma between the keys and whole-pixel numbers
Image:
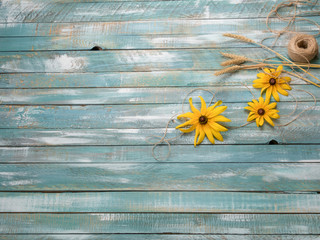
[{"x": 228, "y": 70}]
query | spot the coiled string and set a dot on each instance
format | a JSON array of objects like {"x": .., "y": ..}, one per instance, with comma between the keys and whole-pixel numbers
[{"x": 163, "y": 137}]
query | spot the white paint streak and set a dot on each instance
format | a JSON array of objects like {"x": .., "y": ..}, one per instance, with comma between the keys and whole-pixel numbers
[
  {"x": 19, "y": 182},
  {"x": 64, "y": 63},
  {"x": 17, "y": 10},
  {"x": 149, "y": 57}
]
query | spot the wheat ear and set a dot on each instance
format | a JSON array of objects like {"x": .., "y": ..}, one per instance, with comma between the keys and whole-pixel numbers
[
  {"x": 228, "y": 70},
  {"x": 245, "y": 39},
  {"x": 233, "y": 62}
]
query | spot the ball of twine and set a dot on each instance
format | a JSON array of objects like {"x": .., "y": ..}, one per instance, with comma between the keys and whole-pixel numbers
[{"x": 303, "y": 48}]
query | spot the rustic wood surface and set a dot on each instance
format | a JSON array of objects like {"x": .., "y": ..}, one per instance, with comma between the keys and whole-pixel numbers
[{"x": 74, "y": 160}]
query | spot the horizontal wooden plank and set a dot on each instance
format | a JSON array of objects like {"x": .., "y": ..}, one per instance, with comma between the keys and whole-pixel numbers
[
  {"x": 172, "y": 95},
  {"x": 161, "y": 176},
  {"x": 179, "y": 153},
  {"x": 148, "y": 28},
  {"x": 35, "y": 11},
  {"x": 214, "y": 40},
  {"x": 158, "y": 236},
  {"x": 130, "y": 79},
  {"x": 306, "y": 132},
  {"x": 123, "y": 60},
  {"x": 71, "y": 39},
  {"x": 127, "y": 116},
  {"x": 161, "y": 223},
  {"x": 179, "y": 202}
]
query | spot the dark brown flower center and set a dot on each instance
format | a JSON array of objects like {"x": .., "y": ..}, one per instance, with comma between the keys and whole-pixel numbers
[
  {"x": 203, "y": 119},
  {"x": 261, "y": 111},
  {"x": 272, "y": 81}
]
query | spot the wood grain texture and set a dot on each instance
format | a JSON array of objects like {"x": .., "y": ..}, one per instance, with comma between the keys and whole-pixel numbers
[
  {"x": 74, "y": 161},
  {"x": 158, "y": 236},
  {"x": 130, "y": 79},
  {"x": 102, "y": 30},
  {"x": 178, "y": 202},
  {"x": 128, "y": 116},
  {"x": 161, "y": 176},
  {"x": 160, "y": 223},
  {"x": 291, "y": 134},
  {"x": 123, "y": 60},
  {"x": 143, "y": 95},
  {"x": 36, "y": 11},
  {"x": 140, "y": 35},
  {"x": 179, "y": 153}
]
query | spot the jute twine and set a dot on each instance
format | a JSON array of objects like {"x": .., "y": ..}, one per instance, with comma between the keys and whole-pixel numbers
[
  {"x": 162, "y": 139},
  {"x": 303, "y": 48}
]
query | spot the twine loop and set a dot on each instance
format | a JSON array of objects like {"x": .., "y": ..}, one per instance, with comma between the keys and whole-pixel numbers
[{"x": 303, "y": 48}]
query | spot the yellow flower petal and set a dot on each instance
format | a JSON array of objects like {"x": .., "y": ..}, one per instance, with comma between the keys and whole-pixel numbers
[
  {"x": 281, "y": 91},
  {"x": 214, "y": 105},
  {"x": 285, "y": 86},
  {"x": 196, "y": 135},
  {"x": 271, "y": 112},
  {"x": 190, "y": 122},
  {"x": 268, "y": 119},
  {"x": 251, "y": 104},
  {"x": 261, "y": 101},
  {"x": 261, "y": 120},
  {"x": 216, "y": 111},
  {"x": 278, "y": 71},
  {"x": 268, "y": 93},
  {"x": 217, "y": 135},
  {"x": 186, "y": 115},
  {"x": 263, "y": 89},
  {"x": 257, "y": 121},
  {"x": 193, "y": 127},
  {"x": 192, "y": 107},
  {"x": 274, "y": 115},
  {"x": 208, "y": 132},
  {"x": 287, "y": 79},
  {"x": 251, "y": 118},
  {"x": 258, "y": 85},
  {"x": 275, "y": 94},
  {"x": 221, "y": 118},
  {"x": 249, "y": 108},
  {"x": 217, "y": 126},
  {"x": 203, "y": 106},
  {"x": 255, "y": 101},
  {"x": 202, "y": 135},
  {"x": 266, "y": 70},
  {"x": 271, "y": 105}
]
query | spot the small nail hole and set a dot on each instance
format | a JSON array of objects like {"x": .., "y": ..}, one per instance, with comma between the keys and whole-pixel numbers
[
  {"x": 273, "y": 142},
  {"x": 96, "y": 48}
]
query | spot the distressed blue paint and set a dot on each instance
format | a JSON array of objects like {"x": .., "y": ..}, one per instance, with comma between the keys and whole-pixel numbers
[
  {"x": 179, "y": 153},
  {"x": 161, "y": 223},
  {"x": 120, "y": 60},
  {"x": 129, "y": 79},
  {"x": 161, "y": 176},
  {"x": 141, "y": 95},
  {"x": 36, "y": 11},
  {"x": 128, "y": 116},
  {"x": 164, "y": 28},
  {"x": 213, "y": 202},
  {"x": 78, "y": 120},
  {"x": 158, "y": 236}
]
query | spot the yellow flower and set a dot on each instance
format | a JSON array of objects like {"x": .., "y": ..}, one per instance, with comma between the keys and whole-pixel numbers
[
  {"x": 271, "y": 82},
  {"x": 261, "y": 111},
  {"x": 204, "y": 121}
]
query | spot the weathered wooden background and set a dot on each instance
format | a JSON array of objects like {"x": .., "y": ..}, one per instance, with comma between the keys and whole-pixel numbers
[{"x": 74, "y": 159}]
